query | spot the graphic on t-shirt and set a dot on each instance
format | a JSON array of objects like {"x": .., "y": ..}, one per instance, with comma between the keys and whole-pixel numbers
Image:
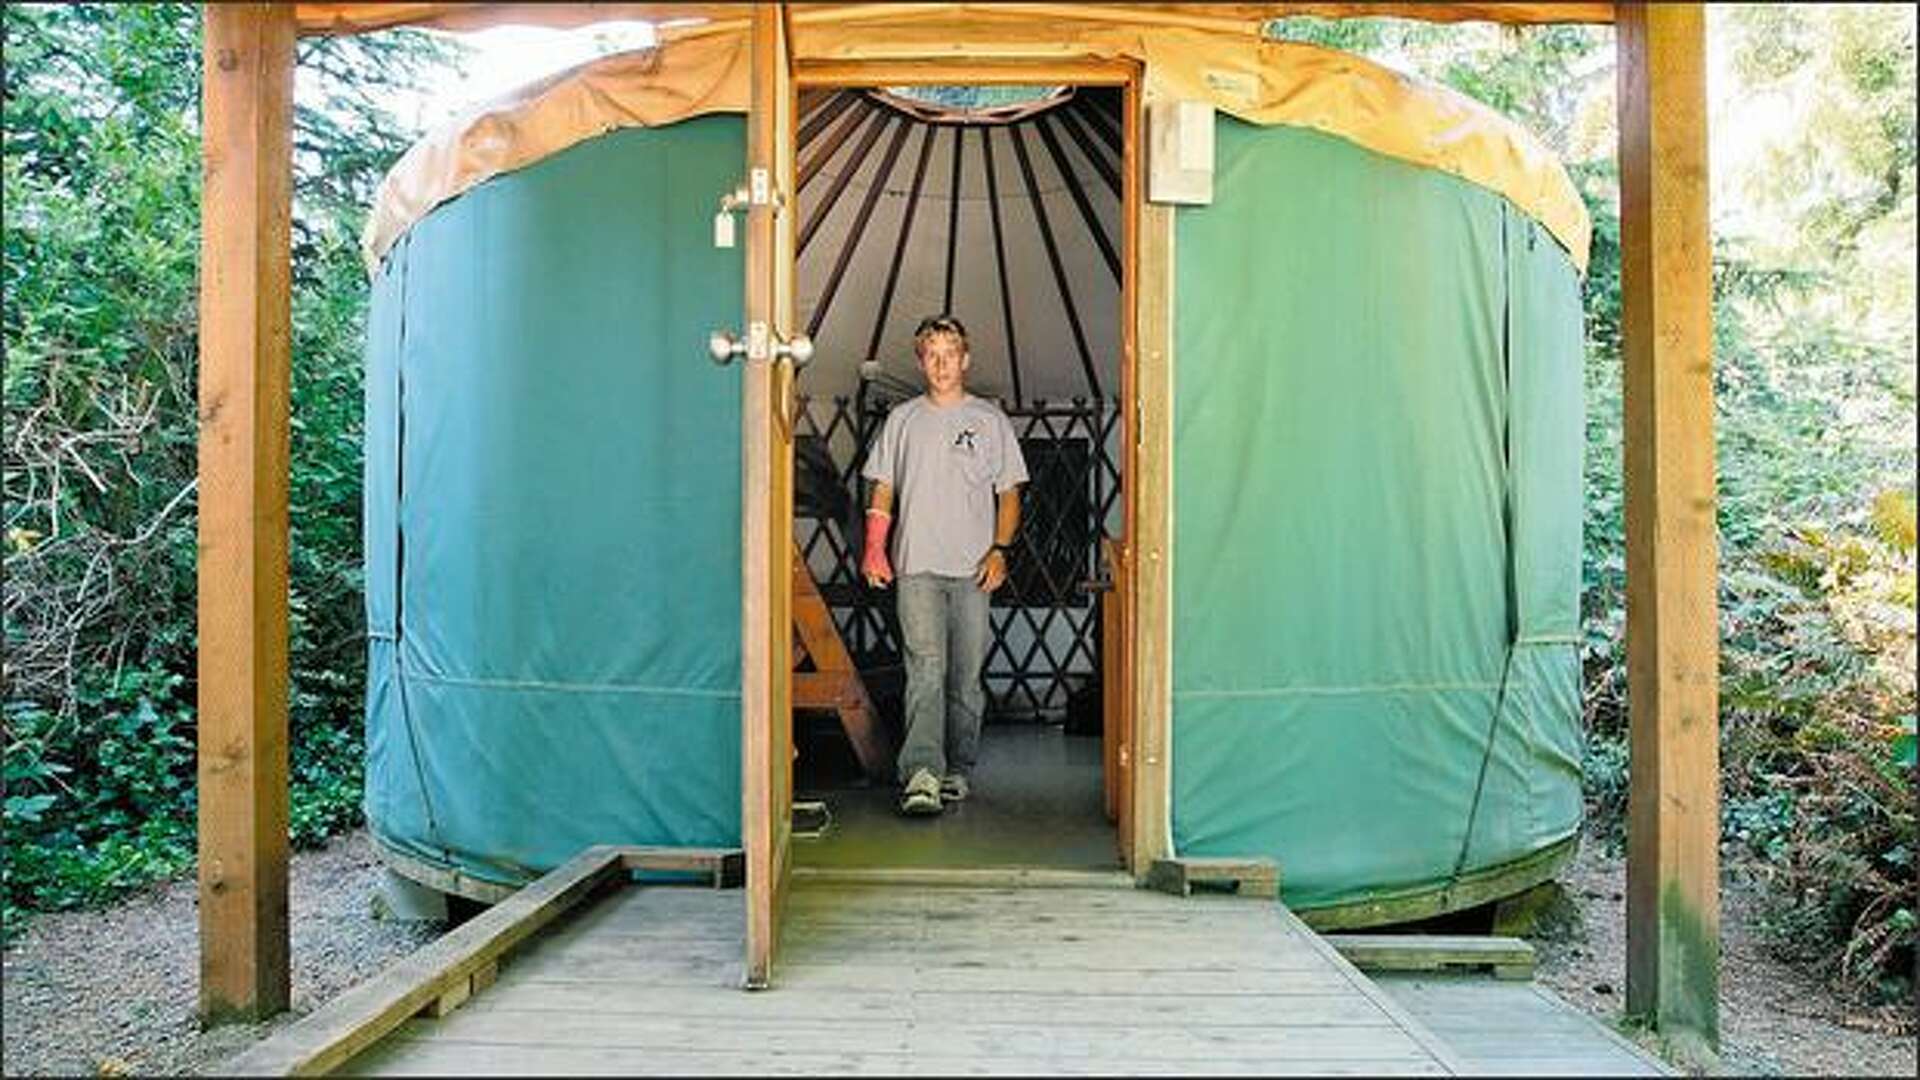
[{"x": 965, "y": 438}]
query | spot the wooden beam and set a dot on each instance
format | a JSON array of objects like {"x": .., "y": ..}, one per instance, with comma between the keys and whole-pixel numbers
[
  {"x": 1508, "y": 957},
  {"x": 857, "y": 234},
  {"x": 1061, "y": 281},
  {"x": 1673, "y": 904},
  {"x": 1000, "y": 261},
  {"x": 441, "y": 975},
  {"x": 977, "y": 71},
  {"x": 818, "y": 155},
  {"x": 1085, "y": 141},
  {"x": 1252, "y": 876},
  {"x": 1121, "y": 663},
  {"x": 900, "y": 244},
  {"x": 835, "y": 103},
  {"x": 1152, "y": 476},
  {"x": 876, "y": 122},
  {"x": 953, "y": 217},
  {"x": 1075, "y": 188},
  {"x": 363, "y": 16},
  {"x": 245, "y": 322},
  {"x": 766, "y": 526},
  {"x": 835, "y": 683}
]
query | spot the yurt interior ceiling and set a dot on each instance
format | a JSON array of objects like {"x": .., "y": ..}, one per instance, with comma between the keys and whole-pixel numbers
[{"x": 1008, "y": 217}]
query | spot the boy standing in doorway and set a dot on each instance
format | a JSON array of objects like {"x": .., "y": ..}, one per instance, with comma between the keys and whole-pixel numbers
[{"x": 946, "y": 466}]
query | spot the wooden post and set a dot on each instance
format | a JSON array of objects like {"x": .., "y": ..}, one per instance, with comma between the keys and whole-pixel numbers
[
  {"x": 245, "y": 317},
  {"x": 766, "y": 524},
  {"x": 1151, "y": 766},
  {"x": 1673, "y": 903}
]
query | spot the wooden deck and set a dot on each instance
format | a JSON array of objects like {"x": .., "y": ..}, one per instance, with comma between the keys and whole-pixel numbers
[
  {"x": 1506, "y": 1028},
  {"x": 918, "y": 970},
  {"x": 942, "y": 979}
]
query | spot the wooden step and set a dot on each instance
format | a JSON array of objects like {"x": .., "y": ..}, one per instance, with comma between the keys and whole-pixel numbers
[
  {"x": 1509, "y": 957},
  {"x": 727, "y": 867},
  {"x": 835, "y": 682},
  {"x": 1248, "y": 876}
]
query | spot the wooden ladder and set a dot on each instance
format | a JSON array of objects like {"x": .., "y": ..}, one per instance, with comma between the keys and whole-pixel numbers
[{"x": 834, "y": 683}]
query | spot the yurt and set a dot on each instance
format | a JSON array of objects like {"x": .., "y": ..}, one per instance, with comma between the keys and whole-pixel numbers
[{"x": 1372, "y": 326}]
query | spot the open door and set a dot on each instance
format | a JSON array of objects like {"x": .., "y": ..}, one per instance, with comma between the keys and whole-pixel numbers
[{"x": 766, "y": 433}]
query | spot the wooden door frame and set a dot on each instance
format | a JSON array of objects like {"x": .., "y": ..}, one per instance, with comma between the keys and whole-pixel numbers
[
  {"x": 1143, "y": 827},
  {"x": 766, "y": 473}
]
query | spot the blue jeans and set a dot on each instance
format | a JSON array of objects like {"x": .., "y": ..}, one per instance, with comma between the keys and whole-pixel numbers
[{"x": 944, "y": 623}]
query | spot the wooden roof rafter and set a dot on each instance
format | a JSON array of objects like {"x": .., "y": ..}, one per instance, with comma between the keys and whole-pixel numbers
[{"x": 900, "y": 243}]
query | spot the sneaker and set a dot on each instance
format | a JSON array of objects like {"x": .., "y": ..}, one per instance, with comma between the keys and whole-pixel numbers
[
  {"x": 921, "y": 796},
  {"x": 954, "y": 787}
]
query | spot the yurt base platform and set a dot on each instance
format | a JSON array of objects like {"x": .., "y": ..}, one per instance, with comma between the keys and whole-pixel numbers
[
  {"x": 942, "y": 979},
  {"x": 1037, "y": 801}
]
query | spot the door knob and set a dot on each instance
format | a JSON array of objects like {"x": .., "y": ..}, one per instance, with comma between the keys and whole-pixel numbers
[
  {"x": 797, "y": 349},
  {"x": 725, "y": 346}
]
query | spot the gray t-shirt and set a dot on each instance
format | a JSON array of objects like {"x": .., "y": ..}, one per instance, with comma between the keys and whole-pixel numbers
[{"x": 945, "y": 464}]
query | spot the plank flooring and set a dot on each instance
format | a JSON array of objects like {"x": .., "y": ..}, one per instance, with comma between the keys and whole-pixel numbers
[
  {"x": 1503, "y": 1028},
  {"x": 887, "y": 978},
  {"x": 877, "y": 979}
]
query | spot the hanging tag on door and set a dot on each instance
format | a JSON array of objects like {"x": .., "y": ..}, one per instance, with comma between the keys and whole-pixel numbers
[{"x": 723, "y": 230}]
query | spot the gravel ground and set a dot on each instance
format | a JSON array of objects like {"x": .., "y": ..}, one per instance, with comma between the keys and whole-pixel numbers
[
  {"x": 1774, "y": 1020},
  {"x": 113, "y": 991}
]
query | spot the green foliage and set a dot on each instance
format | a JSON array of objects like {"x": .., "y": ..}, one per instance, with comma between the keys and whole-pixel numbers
[
  {"x": 102, "y": 190},
  {"x": 99, "y": 806},
  {"x": 1814, "y": 399}
]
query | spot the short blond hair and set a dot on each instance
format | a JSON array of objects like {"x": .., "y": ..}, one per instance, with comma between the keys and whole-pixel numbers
[{"x": 934, "y": 325}]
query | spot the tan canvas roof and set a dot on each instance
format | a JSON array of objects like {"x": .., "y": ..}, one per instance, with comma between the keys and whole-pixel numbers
[
  {"x": 703, "y": 69},
  {"x": 363, "y": 16}
]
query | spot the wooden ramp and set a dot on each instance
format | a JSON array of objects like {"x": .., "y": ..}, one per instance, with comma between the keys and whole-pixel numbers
[
  {"x": 899, "y": 976},
  {"x": 1501, "y": 1027}
]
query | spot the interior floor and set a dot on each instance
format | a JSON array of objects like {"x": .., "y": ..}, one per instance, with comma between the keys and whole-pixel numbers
[{"x": 1037, "y": 801}]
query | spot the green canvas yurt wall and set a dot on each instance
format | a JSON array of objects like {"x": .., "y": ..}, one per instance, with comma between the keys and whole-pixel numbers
[
  {"x": 553, "y": 513},
  {"x": 1378, "y": 428},
  {"x": 1377, "y": 439}
]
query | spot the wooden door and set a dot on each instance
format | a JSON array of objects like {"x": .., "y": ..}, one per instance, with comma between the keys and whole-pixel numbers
[
  {"x": 1120, "y": 729},
  {"x": 766, "y": 626},
  {"x": 1116, "y": 666}
]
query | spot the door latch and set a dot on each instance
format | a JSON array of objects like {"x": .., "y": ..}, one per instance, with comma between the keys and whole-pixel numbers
[{"x": 725, "y": 346}]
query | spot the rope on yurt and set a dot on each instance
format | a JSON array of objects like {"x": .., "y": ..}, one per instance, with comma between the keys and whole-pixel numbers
[
  {"x": 399, "y": 558},
  {"x": 1506, "y": 527}
]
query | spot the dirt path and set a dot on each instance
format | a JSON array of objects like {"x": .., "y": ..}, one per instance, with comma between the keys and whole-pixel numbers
[
  {"x": 1775, "y": 1020},
  {"x": 114, "y": 990}
]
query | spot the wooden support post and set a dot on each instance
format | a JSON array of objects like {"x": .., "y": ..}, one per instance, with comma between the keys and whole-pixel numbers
[
  {"x": 245, "y": 318},
  {"x": 1673, "y": 904},
  {"x": 1149, "y": 766}
]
